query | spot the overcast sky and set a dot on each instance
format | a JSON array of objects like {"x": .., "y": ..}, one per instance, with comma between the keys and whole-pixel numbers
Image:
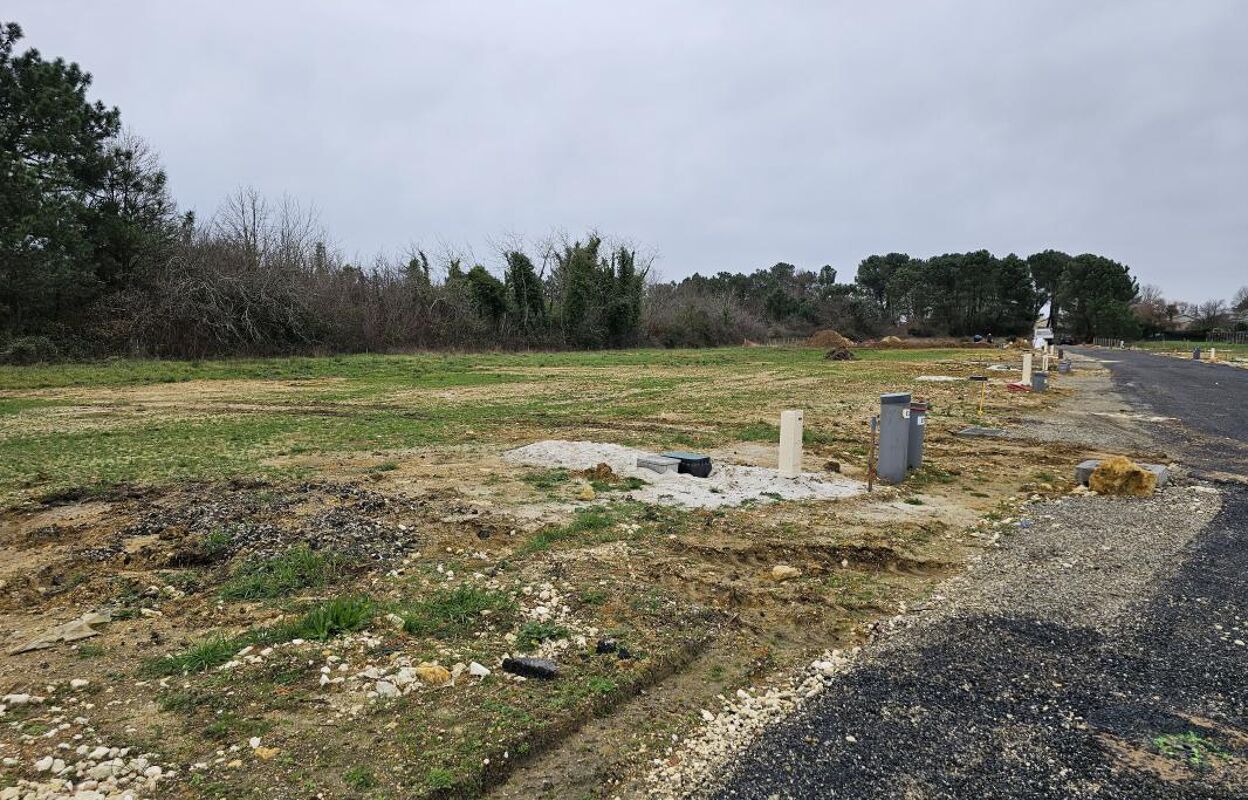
[{"x": 720, "y": 135}]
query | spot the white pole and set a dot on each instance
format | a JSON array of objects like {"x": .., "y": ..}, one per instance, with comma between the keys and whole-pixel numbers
[
  {"x": 1027, "y": 369},
  {"x": 790, "y": 444},
  {"x": 1044, "y": 363}
]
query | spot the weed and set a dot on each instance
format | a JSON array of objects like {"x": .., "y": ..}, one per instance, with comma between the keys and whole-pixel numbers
[
  {"x": 593, "y": 597},
  {"x": 455, "y": 612},
  {"x": 183, "y": 700},
  {"x": 592, "y": 521},
  {"x": 340, "y": 615},
  {"x": 547, "y": 479},
  {"x": 600, "y": 685},
  {"x": 90, "y": 650},
  {"x": 199, "y": 657},
  {"x": 914, "y": 501},
  {"x": 439, "y": 778},
  {"x": 1191, "y": 747},
  {"x": 386, "y": 466},
  {"x": 531, "y": 634},
  {"x": 296, "y": 569},
  {"x": 360, "y": 778}
]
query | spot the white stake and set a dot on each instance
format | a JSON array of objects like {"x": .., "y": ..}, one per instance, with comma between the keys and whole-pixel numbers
[
  {"x": 790, "y": 444},
  {"x": 1026, "y": 369}
]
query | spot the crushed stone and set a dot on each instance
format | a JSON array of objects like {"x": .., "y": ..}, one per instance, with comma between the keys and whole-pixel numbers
[{"x": 727, "y": 485}]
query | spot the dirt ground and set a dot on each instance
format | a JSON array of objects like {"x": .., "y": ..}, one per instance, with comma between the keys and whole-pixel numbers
[{"x": 276, "y": 637}]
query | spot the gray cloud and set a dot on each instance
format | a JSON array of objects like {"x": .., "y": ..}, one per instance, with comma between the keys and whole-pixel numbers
[{"x": 725, "y": 135}]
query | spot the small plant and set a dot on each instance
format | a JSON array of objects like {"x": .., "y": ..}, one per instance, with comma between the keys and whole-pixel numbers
[
  {"x": 547, "y": 479},
  {"x": 439, "y": 778},
  {"x": 360, "y": 778},
  {"x": 531, "y": 634},
  {"x": 593, "y": 597},
  {"x": 386, "y": 466},
  {"x": 600, "y": 685},
  {"x": 182, "y": 700},
  {"x": 340, "y": 615},
  {"x": 90, "y": 650},
  {"x": 294, "y": 570},
  {"x": 1191, "y": 747},
  {"x": 455, "y": 612},
  {"x": 217, "y": 542},
  {"x": 199, "y": 657},
  {"x": 914, "y": 501}
]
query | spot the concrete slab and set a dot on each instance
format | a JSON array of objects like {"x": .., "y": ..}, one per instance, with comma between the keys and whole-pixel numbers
[
  {"x": 1083, "y": 471},
  {"x": 659, "y": 464}
]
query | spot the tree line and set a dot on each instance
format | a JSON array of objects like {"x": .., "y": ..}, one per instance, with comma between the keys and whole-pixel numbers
[{"x": 96, "y": 259}]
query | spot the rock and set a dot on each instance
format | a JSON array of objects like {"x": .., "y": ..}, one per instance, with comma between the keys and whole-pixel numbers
[
  {"x": 79, "y": 683},
  {"x": 586, "y": 493},
  {"x": 18, "y": 699},
  {"x": 783, "y": 572},
  {"x": 433, "y": 674},
  {"x": 386, "y": 689},
  {"x": 606, "y": 646},
  {"x": 478, "y": 670},
  {"x": 44, "y": 764},
  {"x": 1121, "y": 476},
  {"x": 265, "y": 753},
  {"x": 832, "y": 465},
  {"x": 394, "y": 621},
  {"x": 531, "y": 667},
  {"x": 70, "y": 631}
]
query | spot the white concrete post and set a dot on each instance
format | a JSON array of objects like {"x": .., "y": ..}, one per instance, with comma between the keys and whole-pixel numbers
[
  {"x": 1044, "y": 363},
  {"x": 1213, "y": 354},
  {"x": 790, "y": 444},
  {"x": 1026, "y": 369}
]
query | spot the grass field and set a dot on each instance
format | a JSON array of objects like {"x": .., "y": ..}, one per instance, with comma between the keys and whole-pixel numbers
[
  {"x": 1184, "y": 346},
  {"x": 282, "y": 545},
  {"x": 96, "y": 425}
]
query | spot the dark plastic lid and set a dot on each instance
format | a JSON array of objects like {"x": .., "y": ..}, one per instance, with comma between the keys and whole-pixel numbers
[
  {"x": 895, "y": 398},
  {"x": 690, "y": 457}
]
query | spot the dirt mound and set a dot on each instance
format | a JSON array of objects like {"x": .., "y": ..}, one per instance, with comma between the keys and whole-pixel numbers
[
  {"x": 1122, "y": 476},
  {"x": 830, "y": 340},
  {"x": 601, "y": 472},
  {"x": 841, "y": 354}
]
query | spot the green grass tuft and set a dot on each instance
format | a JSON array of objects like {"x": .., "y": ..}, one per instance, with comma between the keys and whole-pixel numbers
[
  {"x": 199, "y": 657},
  {"x": 337, "y": 616},
  {"x": 450, "y": 613},
  {"x": 531, "y": 634},
  {"x": 297, "y": 569}
]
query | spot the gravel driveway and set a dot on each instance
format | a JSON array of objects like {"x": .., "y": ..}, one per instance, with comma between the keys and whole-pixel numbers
[{"x": 1099, "y": 652}]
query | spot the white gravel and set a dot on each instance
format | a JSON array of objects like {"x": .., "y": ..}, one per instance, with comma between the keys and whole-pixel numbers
[{"x": 727, "y": 485}]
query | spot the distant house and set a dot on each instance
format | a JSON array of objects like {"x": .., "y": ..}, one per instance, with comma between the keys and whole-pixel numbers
[{"x": 1183, "y": 321}]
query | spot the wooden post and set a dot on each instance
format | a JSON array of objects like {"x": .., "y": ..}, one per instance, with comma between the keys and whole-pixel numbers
[{"x": 790, "y": 444}]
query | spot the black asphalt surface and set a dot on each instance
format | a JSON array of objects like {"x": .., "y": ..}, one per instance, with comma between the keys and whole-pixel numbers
[
  {"x": 1010, "y": 707},
  {"x": 1210, "y": 399}
]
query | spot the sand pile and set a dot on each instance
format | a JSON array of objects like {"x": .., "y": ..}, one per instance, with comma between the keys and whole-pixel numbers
[
  {"x": 728, "y": 484},
  {"x": 829, "y": 339}
]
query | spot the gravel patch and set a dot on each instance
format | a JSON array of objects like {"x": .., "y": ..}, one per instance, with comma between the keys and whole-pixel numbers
[{"x": 727, "y": 485}]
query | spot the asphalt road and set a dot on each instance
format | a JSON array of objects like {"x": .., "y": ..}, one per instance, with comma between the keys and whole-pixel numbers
[
  {"x": 1210, "y": 399},
  {"x": 1003, "y": 704}
]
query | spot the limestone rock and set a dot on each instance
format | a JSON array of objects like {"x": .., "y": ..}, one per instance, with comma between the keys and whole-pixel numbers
[
  {"x": 1122, "y": 476},
  {"x": 783, "y": 572}
]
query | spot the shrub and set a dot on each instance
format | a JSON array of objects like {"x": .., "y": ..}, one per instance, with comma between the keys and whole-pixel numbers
[{"x": 25, "y": 350}]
